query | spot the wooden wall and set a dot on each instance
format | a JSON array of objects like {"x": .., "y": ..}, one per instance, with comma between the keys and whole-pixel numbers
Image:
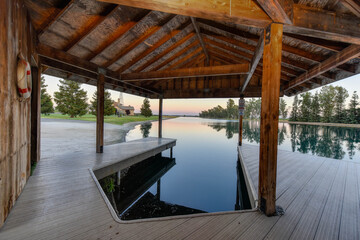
[{"x": 15, "y": 37}]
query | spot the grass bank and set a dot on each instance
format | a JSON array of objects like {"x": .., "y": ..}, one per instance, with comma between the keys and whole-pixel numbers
[{"x": 108, "y": 119}]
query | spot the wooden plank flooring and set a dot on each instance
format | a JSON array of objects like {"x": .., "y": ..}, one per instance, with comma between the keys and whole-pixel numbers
[{"x": 61, "y": 201}]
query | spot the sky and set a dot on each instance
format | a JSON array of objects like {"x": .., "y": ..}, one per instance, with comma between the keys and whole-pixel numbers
[{"x": 189, "y": 106}]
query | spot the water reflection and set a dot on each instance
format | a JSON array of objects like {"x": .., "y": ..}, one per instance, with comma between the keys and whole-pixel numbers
[
  {"x": 145, "y": 129},
  {"x": 331, "y": 142}
]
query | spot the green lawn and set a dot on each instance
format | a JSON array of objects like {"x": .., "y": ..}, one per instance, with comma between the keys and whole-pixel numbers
[{"x": 108, "y": 119}]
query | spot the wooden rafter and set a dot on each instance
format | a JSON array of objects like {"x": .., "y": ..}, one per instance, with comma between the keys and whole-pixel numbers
[
  {"x": 166, "y": 51},
  {"x": 150, "y": 31},
  {"x": 120, "y": 31},
  {"x": 353, "y": 6},
  {"x": 335, "y": 60},
  {"x": 211, "y": 93},
  {"x": 74, "y": 65},
  {"x": 278, "y": 10},
  {"x": 197, "y": 30},
  {"x": 186, "y": 57},
  {"x": 254, "y": 61},
  {"x": 159, "y": 43},
  {"x": 56, "y": 16},
  {"x": 176, "y": 55},
  {"x": 244, "y": 12},
  {"x": 89, "y": 29}
]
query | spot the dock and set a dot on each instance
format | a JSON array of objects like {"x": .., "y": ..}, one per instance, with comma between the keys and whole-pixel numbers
[{"x": 320, "y": 197}]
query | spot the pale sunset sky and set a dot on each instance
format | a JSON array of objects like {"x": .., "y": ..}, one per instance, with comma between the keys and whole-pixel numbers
[{"x": 189, "y": 106}]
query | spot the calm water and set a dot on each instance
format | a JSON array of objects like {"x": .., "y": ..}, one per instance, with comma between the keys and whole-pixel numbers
[{"x": 203, "y": 175}]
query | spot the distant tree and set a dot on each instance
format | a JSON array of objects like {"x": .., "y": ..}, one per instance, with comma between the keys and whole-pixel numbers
[
  {"x": 295, "y": 109},
  {"x": 71, "y": 99},
  {"x": 315, "y": 108},
  {"x": 340, "y": 97},
  {"x": 354, "y": 102},
  {"x": 108, "y": 104},
  {"x": 282, "y": 108},
  {"x": 231, "y": 109},
  {"x": 145, "y": 108},
  {"x": 304, "y": 110},
  {"x": 47, "y": 105},
  {"x": 327, "y": 103},
  {"x": 253, "y": 108}
]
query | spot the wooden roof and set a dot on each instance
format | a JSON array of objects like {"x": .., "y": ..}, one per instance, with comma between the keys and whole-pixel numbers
[{"x": 172, "y": 48}]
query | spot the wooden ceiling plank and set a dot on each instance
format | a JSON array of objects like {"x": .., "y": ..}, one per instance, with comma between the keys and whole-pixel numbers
[
  {"x": 166, "y": 51},
  {"x": 278, "y": 11},
  {"x": 162, "y": 41},
  {"x": 225, "y": 70},
  {"x": 353, "y": 6},
  {"x": 53, "y": 19},
  {"x": 152, "y": 30},
  {"x": 254, "y": 61},
  {"x": 337, "y": 59},
  {"x": 185, "y": 57},
  {"x": 176, "y": 55},
  {"x": 118, "y": 33},
  {"x": 244, "y": 12},
  {"x": 89, "y": 29},
  {"x": 197, "y": 30}
]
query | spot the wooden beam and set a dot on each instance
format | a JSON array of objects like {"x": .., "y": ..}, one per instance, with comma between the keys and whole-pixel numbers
[
  {"x": 183, "y": 59},
  {"x": 176, "y": 55},
  {"x": 337, "y": 59},
  {"x": 52, "y": 19},
  {"x": 166, "y": 51},
  {"x": 278, "y": 10},
  {"x": 353, "y": 6},
  {"x": 150, "y": 31},
  {"x": 75, "y": 65},
  {"x": 241, "y": 100},
  {"x": 322, "y": 24},
  {"x": 158, "y": 44},
  {"x": 197, "y": 30},
  {"x": 269, "y": 118},
  {"x": 224, "y": 70},
  {"x": 100, "y": 111},
  {"x": 254, "y": 61},
  {"x": 35, "y": 113},
  {"x": 244, "y": 12},
  {"x": 210, "y": 93}
]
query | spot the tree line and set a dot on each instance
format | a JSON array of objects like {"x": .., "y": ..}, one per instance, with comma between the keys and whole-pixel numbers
[
  {"x": 252, "y": 110},
  {"x": 328, "y": 105},
  {"x": 71, "y": 99}
]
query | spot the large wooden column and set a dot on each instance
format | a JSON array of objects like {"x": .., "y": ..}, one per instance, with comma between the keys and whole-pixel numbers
[
  {"x": 35, "y": 113},
  {"x": 100, "y": 111},
  {"x": 269, "y": 118},
  {"x": 160, "y": 116}
]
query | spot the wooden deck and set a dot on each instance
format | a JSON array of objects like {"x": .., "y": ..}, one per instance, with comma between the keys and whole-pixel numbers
[{"x": 61, "y": 201}]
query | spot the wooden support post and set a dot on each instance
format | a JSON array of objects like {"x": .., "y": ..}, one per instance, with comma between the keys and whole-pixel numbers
[
  {"x": 171, "y": 152},
  {"x": 269, "y": 118},
  {"x": 160, "y": 116},
  {"x": 241, "y": 113},
  {"x": 118, "y": 178},
  {"x": 100, "y": 112},
  {"x": 35, "y": 113}
]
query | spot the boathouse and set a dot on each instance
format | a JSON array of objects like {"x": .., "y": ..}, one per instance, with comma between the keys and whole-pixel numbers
[{"x": 175, "y": 49}]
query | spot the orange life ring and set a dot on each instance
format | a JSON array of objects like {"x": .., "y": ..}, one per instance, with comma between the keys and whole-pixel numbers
[{"x": 24, "y": 81}]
